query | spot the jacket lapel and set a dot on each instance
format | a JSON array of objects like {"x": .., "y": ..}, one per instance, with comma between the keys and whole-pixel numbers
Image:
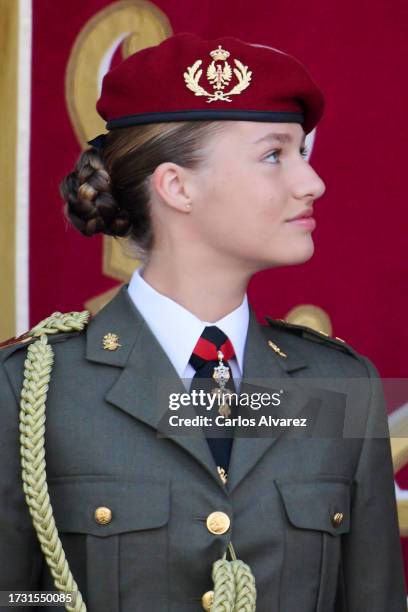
[
  {"x": 147, "y": 377},
  {"x": 264, "y": 370}
]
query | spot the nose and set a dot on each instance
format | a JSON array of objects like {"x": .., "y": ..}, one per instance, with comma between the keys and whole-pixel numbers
[{"x": 308, "y": 183}]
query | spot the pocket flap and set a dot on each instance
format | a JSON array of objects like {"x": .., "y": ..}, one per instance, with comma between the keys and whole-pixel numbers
[
  {"x": 317, "y": 504},
  {"x": 133, "y": 504}
]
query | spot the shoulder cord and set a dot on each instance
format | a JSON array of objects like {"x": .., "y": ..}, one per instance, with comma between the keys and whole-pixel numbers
[
  {"x": 234, "y": 583},
  {"x": 37, "y": 374}
]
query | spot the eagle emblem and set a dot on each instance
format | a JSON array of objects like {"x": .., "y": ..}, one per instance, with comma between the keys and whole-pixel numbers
[{"x": 219, "y": 76}]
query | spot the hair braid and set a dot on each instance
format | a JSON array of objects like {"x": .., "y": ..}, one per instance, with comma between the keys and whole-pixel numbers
[{"x": 91, "y": 206}]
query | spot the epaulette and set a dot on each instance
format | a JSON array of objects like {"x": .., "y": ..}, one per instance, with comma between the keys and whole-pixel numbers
[
  {"x": 57, "y": 327},
  {"x": 312, "y": 334},
  {"x": 23, "y": 339}
]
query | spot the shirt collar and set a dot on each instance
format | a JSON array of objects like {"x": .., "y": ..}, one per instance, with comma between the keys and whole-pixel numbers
[{"x": 177, "y": 329}]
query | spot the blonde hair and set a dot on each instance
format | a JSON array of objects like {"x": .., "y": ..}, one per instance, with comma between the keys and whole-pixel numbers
[{"x": 108, "y": 190}]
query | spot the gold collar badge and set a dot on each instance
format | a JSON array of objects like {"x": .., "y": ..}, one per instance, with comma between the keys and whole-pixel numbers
[
  {"x": 276, "y": 348},
  {"x": 218, "y": 76},
  {"x": 111, "y": 342}
]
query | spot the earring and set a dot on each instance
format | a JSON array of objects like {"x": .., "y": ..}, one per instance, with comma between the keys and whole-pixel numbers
[{"x": 188, "y": 206}]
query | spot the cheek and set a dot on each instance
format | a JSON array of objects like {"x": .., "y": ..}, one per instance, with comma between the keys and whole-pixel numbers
[
  {"x": 251, "y": 196},
  {"x": 230, "y": 184},
  {"x": 242, "y": 209},
  {"x": 260, "y": 205},
  {"x": 225, "y": 196}
]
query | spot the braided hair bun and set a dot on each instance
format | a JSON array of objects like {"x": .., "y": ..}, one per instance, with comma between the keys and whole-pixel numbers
[{"x": 90, "y": 204}]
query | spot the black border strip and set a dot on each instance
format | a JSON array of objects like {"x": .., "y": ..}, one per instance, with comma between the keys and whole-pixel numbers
[{"x": 203, "y": 115}]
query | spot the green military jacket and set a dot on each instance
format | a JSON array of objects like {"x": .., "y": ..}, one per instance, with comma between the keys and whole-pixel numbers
[{"x": 311, "y": 511}]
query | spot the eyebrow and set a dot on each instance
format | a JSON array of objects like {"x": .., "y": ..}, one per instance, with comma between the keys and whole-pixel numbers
[{"x": 279, "y": 137}]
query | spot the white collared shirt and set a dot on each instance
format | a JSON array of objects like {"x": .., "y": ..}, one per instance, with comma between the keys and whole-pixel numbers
[{"x": 178, "y": 330}]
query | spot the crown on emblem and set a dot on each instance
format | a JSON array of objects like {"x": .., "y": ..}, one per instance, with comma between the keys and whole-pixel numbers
[{"x": 220, "y": 54}]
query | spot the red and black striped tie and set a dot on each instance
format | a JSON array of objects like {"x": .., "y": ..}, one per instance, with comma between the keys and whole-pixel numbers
[{"x": 204, "y": 359}]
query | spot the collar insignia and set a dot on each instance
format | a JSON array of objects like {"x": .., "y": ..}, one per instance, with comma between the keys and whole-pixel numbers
[
  {"x": 111, "y": 342},
  {"x": 276, "y": 348}
]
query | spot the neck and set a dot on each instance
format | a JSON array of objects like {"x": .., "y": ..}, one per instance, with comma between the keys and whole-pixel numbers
[{"x": 207, "y": 289}]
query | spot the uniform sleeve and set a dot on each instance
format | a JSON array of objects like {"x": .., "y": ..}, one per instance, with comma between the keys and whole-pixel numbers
[
  {"x": 20, "y": 552},
  {"x": 372, "y": 574}
]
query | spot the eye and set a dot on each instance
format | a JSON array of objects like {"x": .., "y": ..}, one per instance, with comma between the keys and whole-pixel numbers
[
  {"x": 276, "y": 153},
  {"x": 304, "y": 152}
]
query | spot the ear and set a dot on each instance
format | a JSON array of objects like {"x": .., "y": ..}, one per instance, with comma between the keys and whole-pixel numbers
[{"x": 172, "y": 185}]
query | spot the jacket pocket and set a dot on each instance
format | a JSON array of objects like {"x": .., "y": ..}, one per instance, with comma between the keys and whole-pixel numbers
[
  {"x": 317, "y": 513},
  {"x": 114, "y": 533}
]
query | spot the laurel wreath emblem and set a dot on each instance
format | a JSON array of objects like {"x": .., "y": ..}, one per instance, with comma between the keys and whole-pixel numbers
[{"x": 219, "y": 78}]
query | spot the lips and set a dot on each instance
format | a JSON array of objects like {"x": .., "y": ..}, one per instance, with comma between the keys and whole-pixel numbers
[{"x": 305, "y": 214}]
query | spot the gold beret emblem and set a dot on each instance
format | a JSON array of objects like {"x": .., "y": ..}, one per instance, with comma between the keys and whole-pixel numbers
[{"x": 219, "y": 76}]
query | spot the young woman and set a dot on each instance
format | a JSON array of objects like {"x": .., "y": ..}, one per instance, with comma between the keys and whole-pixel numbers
[{"x": 135, "y": 503}]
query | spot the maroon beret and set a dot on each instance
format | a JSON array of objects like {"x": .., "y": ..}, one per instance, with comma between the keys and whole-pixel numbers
[{"x": 187, "y": 78}]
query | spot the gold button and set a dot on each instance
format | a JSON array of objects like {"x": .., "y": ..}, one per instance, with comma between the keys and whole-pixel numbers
[
  {"x": 218, "y": 522},
  {"x": 207, "y": 600},
  {"x": 337, "y": 519},
  {"x": 103, "y": 515}
]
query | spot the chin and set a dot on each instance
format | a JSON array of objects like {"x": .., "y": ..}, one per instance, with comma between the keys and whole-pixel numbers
[
  {"x": 303, "y": 250},
  {"x": 293, "y": 257},
  {"x": 305, "y": 255}
]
